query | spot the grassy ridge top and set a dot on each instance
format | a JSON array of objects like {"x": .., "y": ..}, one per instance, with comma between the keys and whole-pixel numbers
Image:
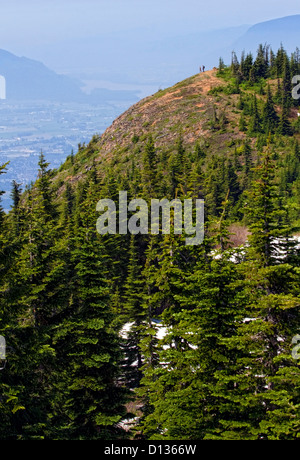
[{"x": 204, "y": 109}]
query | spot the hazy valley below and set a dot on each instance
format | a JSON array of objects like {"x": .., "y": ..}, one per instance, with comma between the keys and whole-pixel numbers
[{"x": 29, "y": 127}]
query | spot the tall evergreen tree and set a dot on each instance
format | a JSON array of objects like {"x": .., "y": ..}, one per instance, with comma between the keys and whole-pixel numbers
[
  {"x": 134, "y": 313},
  {"x": 248, "y": 163},
  {"x": 33, "y": 307},
  {"x": 285, "y": 127},
  {"x": 149, "y": 164},
  {"x": 286, "y": 84},
  {"x": 270, "y": 118},
  {"x": 180, "y": 388},
  {"x": 264, "y": 370},
  {"x": 93, "y": 401},
  {"x": 261, "y": 62},
  {"x": 255, "y": 121}
]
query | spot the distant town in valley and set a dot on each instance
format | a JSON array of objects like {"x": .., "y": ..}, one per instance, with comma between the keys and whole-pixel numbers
[{"x": 29, "y": 127}]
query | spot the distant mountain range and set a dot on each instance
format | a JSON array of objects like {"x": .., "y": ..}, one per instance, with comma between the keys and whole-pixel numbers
[
  {"x": 150, "y": 59},
  {"x": 159, "y": 57},
  {"x": 283, "y": 31},
  {"x": 28, "y": 79}
]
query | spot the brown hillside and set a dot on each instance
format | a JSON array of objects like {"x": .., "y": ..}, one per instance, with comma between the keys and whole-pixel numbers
[
  {"x": 185, "y": 107},
  {"x": 196, "y": 108}
]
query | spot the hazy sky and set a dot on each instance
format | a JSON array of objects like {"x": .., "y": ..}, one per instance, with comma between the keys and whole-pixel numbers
[
  {"x": 26, "y": 22},
  {"x": 57, "y": 32}
]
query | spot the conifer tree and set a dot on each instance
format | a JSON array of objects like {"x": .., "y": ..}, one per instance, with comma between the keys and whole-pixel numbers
[
  {"x": 264, "y": 370},
  {"x": 17, "y": 214},
  {"x": 247, "y": 166},
  {"x": 270, "y": 118},
  {"x": 199, "y": 153},
  {"x": 285, "y": 127},
  {"x": 32, "y": 287},
  {"x": 149, "y": 164},
  {"x": 134, "y": 314},
  {"x": 272, "y": 66},
  {"x": 234, "y": 64},
  {"x": 281, "y": 57},
  {"x": 92, "y": 402},
  {"x": 261, "y": 63},
  {"x": 213, "y": 194},
  {"x": 221, "y": 65},
  {"x": 232, "y": 183},
  {"x": 297, "y": 150},
  {"x": 247, "y": 65},
  {"x": 181, "y": 401},
  {"x": 286, "y": 84},
  {"x": 255, "y": 121},
  {"x": 242, "y": 123},
  {"x": 278, "y": 94},
  {"x": 178, "y": 173}
]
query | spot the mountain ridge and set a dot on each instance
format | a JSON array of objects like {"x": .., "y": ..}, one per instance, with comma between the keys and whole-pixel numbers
[
  {"x": 274, "y": 32},
  {"x": 197, "y": 109},
  {"x": 30, "y": 79},
  {"x": 185, "y": 107}
]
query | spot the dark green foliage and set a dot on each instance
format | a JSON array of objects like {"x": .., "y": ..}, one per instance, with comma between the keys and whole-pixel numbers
[
  {"x": 83, "y": 313},
  {"x": 264, "y": 369},
  {"x": 242, "y": 124},
  {"x": 149, "y": 162},
  {"x": 255, "y": 120},
  {"x": 261, "y": 64},
  {"x": 285, "y": 128},
  {"x": 135, "y": 313},
  {"x": 270, "y": 118}
]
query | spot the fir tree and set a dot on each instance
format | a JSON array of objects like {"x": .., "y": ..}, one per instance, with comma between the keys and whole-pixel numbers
[
  {"x": 92, "y": 402},
  {"x": 270, "y": 118},
  {"x": 134, "y": 314},
  {"x": 285, "y": 127},
  {"x": 255, "y": 121},
  {"x": 232, "y": 183},
  {"x": 263, "y": 366},
  {"x": 286, "y": 84},
  {"x": 33, "y": 306},
  {"x": 261, "y": 63},
  {"x": 242, "y": 124},
  {"x": 297, "y": 150},
  {"x": 247, "y": 65},
  {"x": 149, "y": 162},
  {"x": 247, "y": 166},
  {"x": 180, "y": 389}
]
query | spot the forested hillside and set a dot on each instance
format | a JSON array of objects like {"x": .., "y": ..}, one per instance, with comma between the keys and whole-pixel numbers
[{"x": 229, "y": 308}]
